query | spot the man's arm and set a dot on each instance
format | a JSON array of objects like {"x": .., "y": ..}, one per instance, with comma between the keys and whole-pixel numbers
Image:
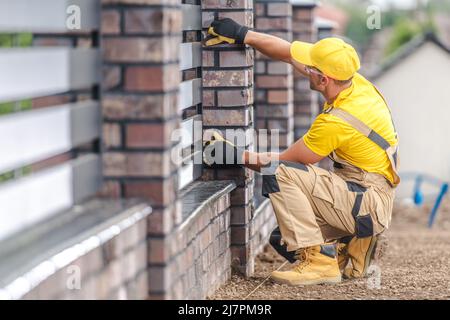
[
  {"x": 298, "y": 152},
  {"x": 274, "y": 48}
]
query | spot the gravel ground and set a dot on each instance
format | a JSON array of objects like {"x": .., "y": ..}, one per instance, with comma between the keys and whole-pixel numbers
[{"x": 414, "y": 266}]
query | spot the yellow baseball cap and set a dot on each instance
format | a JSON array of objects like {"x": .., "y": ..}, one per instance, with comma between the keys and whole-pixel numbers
[{"x": 334, "y": 57}]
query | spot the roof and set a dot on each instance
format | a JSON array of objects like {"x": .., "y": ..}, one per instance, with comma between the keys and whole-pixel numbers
[
  {"x": 406, "y": 50},
  {"x": 322, "y": 23},
  {"x": 304, "y": 3}
]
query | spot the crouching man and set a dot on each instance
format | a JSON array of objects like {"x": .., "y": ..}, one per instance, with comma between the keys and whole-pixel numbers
[{"x": 325, "y": 218}]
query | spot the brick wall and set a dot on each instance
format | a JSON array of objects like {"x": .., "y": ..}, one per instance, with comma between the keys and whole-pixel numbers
[
  {"x": 273, "y": 79},
  {"x": 305, "y": 100},
  {"x": 228, "y": 104},
  {"x": 141, "y": 41},
  {"x": 115, "y": 269}
]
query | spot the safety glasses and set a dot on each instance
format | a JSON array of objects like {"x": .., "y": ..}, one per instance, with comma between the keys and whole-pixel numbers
[{"x": 310, "y": 70}]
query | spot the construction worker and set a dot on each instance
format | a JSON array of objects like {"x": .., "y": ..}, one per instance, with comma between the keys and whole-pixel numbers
[{"x": 326, "y": 219}]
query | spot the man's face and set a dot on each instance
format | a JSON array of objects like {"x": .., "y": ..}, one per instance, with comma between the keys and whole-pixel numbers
[{"x": 317, "y": 81}]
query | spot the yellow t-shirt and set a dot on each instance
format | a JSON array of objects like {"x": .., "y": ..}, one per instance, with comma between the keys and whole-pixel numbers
[{"x": 329, "y": 133}]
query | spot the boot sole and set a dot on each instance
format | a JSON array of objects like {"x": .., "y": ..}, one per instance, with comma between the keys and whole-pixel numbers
[{"x": 330, "y": 280}]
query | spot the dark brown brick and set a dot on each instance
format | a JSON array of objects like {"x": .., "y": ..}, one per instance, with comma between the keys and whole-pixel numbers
[
  {"x": 279, "y": 9},
  {"x": 226, "y": 78},
  {"x": 265, "y": 24},
  {"x": 229, "y": 98},
  {"x": 140, "y": 49},
  {"x": 121, "y": 107},
  {"x": 241, "y": 58},
  {"x": 227, "y": 4},
  {"x": 226, "y": 117}
]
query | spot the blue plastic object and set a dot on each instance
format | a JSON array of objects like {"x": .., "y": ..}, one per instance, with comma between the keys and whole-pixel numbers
[
  {"x": 419, "y": 197},
  {"x": 444, "y": 190}
]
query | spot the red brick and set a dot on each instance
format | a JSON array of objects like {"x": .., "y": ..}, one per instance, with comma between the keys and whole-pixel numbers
[
  {"x": 226, "y": 78},
  {"x": 155, "y": 20},
  {"x": 279, "y": 96},
  {"x": 150, "y": 107},
  {"x": 272, "y": 82},
  {"x": 152, "y": 79},
  {"x": 161, "y": 222},
  {"x": 160, "y": 193},
  {"x": 110, "y": 21},
  {"x": 149, "y": 135},
  {"x": 299, "y": 13}
]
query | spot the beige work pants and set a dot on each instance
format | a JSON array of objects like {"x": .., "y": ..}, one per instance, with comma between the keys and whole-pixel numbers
[{"x": 314, "y": 206}]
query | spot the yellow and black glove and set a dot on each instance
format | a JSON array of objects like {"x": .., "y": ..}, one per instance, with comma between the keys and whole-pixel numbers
[
  {"x": 226, "y": 30},
  {"x": 219, "y": 151}
]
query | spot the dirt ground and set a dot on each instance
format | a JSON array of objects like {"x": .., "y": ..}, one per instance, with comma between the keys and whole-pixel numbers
[{"x": 414, "y": 266}]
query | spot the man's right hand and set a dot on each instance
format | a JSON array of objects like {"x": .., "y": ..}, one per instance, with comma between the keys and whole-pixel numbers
[{"x": 226, "y": 30}]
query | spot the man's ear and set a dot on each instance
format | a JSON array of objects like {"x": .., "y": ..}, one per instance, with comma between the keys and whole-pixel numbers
[{"x": 324, "y": 80}]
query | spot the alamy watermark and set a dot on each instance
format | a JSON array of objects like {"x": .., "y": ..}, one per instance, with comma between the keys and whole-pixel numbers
[
  {"x": 73, "y": 20},
  {"x": 73, "y": 281},
  {"x": 373, "y": 21}
]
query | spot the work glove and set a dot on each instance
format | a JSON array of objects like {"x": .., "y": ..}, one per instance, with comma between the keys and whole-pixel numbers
[
  {"x": 219, "y": 151},
  {"x": 226, "y": 30}
]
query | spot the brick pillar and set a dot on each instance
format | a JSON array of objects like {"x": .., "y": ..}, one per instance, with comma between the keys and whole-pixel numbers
[
  {"x": 227, "y": 104},
  {"x": 141, "y": 41},
  {"x": 305, "y": 100},
  {"x": 273, "y": 79}
]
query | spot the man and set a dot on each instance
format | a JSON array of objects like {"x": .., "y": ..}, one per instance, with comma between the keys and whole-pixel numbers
[{"x": 321, "y": 212}]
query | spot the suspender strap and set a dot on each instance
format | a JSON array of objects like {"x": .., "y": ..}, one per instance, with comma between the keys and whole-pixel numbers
[
  {"x": 361, "y": 127},
  {"x": 391, "y": 151}
]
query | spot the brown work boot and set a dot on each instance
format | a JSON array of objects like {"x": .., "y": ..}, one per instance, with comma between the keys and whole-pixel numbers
[
  {"x": 317, "y": 265},
  {"x": 361, "y": 252}
]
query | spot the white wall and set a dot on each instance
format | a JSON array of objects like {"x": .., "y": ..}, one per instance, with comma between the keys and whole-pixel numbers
[{"x": 418, "y": 93}]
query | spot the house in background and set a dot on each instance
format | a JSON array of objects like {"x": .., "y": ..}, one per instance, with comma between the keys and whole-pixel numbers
[{"x": 416, "y": 83}]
